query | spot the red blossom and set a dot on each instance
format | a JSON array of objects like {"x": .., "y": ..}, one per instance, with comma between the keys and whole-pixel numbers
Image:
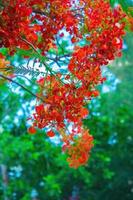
[
  {"x": 31, "y": 130},
  {"x": 63, "y": 105},
  {"x": 50, "y": 134}
]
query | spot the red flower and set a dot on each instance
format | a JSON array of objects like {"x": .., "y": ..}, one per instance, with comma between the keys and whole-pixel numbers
[
  {"x": 31, "y": 130},
  {"x": 50, "y": 134}
]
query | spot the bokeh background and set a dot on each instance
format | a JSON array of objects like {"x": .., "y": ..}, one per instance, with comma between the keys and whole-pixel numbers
[{"x": 34, "y": 167}]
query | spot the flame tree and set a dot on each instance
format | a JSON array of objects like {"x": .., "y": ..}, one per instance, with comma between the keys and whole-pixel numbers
[{"x": 67, "y": 75}]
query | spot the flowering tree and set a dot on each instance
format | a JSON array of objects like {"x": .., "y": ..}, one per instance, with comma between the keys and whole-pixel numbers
[{"x": 66, "y": 77}]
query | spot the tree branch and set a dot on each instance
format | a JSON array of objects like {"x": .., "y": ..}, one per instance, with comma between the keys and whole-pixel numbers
[
  {"x": 53, "y": 73},
  {"x": 23, "y": 87},
  {"x": 34, "y": 48}
]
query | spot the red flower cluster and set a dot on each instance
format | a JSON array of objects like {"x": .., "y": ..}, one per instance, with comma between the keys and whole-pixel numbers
[
  {"x": 105, "y": 28},
  {"x": 15, "y": 24},
  {"x": 65, "y": 103},
  {"x": 79, "y": 150},
  {"x": 61, "y": 102},
  {"x": 34, "y": 24},
  {"x": 37, "y": 21},
  {"x": 64, "y": 106}
]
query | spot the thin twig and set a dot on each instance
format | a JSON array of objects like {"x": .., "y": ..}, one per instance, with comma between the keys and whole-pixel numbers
[
  {"x": 40, "y": 57},
  {"x": 34, "y": 48},
  {"x": 23, "y": 87}
]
